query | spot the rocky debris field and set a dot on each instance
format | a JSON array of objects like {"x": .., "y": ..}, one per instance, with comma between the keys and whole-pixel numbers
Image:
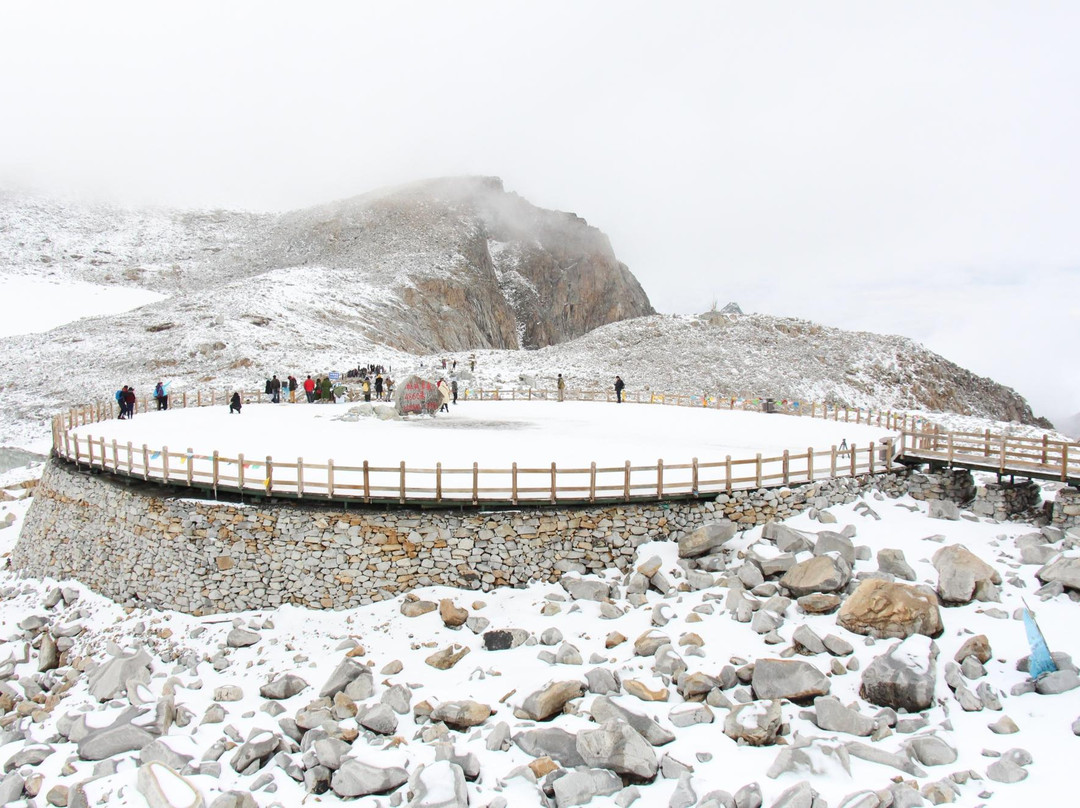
[{"x": 863, "y": 656}]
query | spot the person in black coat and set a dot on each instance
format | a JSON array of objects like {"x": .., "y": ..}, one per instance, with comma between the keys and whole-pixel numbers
[
  {"x": 234, "y": 404},
  {"x": 618, "y": 389}
]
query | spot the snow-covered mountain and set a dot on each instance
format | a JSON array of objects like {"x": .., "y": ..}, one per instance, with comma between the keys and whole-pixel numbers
[{"x": 444, "y": 268}]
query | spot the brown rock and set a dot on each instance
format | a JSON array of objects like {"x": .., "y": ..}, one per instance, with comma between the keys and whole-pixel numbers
[
  {"x": 447, "y": 657},
  {"x": 452, "y": 616},
  {"x": 613, "y": 639},
  {"x": 543, "y": 765},
  {"x": 549, "y": 701},
  {"x": 977, "y": 646},
  {"x": 885, "y": 609},
  {"x": 637, "y": 688},
  {"x": 415, "y": 608},
  {"x": 819, "y": 603},
  {"x": 818, "y": 574}
]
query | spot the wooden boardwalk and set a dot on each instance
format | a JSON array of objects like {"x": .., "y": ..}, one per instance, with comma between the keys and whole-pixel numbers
[{"x": 1032, "y": 458}]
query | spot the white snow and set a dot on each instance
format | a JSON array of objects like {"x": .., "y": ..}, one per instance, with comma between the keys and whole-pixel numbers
[{"x": 34, "y": 305}]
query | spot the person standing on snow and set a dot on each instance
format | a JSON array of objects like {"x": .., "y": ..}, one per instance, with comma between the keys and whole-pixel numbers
[
  {"x": 453, "y": 389},
  {"x": 309, "y": 389},
  {"x": 445, "y": 392},
  {"x": 561, "y": 384},
  {"x": 378, "y": 386},
  {"x": 275, "y": 390},
  {"x": 130, "y": 401},
  {"x": 292, "y": 389},
  {"x": 234, "y": 404},
  {"x": 618, "y": 389},
  {"x": 160, "y": 396},
  {"x": 366, "y": 387}
]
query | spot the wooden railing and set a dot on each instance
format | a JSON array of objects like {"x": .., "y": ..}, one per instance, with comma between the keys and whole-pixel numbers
[
  {"x": 330, "y": 480},
  {"x": 1005, "y": 454}
]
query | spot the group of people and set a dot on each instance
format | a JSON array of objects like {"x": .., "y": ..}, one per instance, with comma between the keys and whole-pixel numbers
[
  {"x": 125, "y": 400},
  {"x": 448, "y": 392},
  {"x": 366, "y": 371},
  {"x": 383, "y": 389}
]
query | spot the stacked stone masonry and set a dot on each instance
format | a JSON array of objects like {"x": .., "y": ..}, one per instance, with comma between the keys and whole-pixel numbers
[
  {"x": 1066, "y": 512},
  {"x": 205, "y": 556},
  {"x": 137, "y": 546}
]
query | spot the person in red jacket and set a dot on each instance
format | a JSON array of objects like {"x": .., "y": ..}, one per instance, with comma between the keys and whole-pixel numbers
[
  {"x": 129, "y": 399},
  {"x": 309, "y": 389}
]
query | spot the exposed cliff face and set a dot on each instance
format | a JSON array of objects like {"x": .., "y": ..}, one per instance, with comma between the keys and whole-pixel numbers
[{"x": 475, "y": 266}]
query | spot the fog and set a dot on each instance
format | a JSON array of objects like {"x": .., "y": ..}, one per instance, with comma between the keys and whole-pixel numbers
[{"x": 902, "y": 168}]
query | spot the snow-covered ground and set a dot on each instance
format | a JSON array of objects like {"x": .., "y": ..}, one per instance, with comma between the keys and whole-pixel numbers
[
  {"x": 34, "y": 305},
  {"x": 190, "y": 657}
]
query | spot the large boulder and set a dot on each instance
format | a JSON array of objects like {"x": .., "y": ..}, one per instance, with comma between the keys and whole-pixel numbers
[
  {"x": 416, "y": 396},
  {"x": 706, "y": 539},
  {"x": 962, "y": 575},
  {"x": 604, "y": 709},
  {"x": 825, "y": 573},
  {"x": 888, "y": 609},
  {"x": 357, "y": 778},
  {"x": 438, "y": 785},
  {"x": 618, "y": 747},
  {"x": 756, "y": 723},
  {"x": 348, "y": 671},
  {"x": 552, "y": 742},
  {"x": 1065, "y": 571},
  {"x": 903, "y": 677},
  {"x": 787, "y": 539},
  {"x": 111, "y": 678},
  {"x": 549, "y": 701},
  {"x": 790, "y": 679},
  {"x": 461, "y": 715}
]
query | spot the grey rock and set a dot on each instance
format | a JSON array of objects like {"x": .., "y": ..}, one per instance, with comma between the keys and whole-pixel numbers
[
  {"x": 234, "y": 799},
  {"x": 1005, "y": 770},
  {"x": 555, "y": 743},
  {"x": 1065, "y": 571},
  {"x": 380, "y": 719},
  {"x": 807, "y": 641},
  {"x": 800, "y": 795},
  {"x": 960, "y": 573},
  {"x": 580, "y": 787},
  {"x": 787, "y": 539},
  {"x": 161, "y": 787},
  {"x": 686, "y": 715},
  {"x": 832, "y": 716},
  {"x": 706, "y": 539},
  {"x": 356, "y": 778},
  {"x": 256, "y": 750},
  {"x": 943, "y": 509},
  {"x": 161, "y": 752},
  {"x": 875, "y": 754},
  {"x": 829, "y": 541},
  {"x": 604, "y": 710},
  {"x": 602, "y": 681},
  {"x": 818, "y": 574},
  {"x": 683, "y": 796},
  {"x": 120, "y": 736},
  {"x": 584, "y": 589},
  {"x": 892, "y": 562},
  {"x": 749, "y": 796},
  {"x": 31, "y": 755},
  {"x": 788, "y": 679},
  {"x": 330, "y": 752},
  {"x": 398, "y": 698},
  {"x": 504, "y": 638},
  {"x": 11, "y": 788},
  {"x": 110, "y": 679},
  {"x": 461, "y": 715},
  {"x": 756, "y": 723},
  {"x": 284, "y": 687},
  {"x": 348, "y": 671},
  {"x": 616, "y": 746},
  {"x": 438, "y": 785},
  {"x": 930, "y": 750},
  {"x": 1055, "y": 682},
  {"x": 903, "y": 677},
  {"x": 242, "y": 638},
  {"x": 549, "y": 701}
]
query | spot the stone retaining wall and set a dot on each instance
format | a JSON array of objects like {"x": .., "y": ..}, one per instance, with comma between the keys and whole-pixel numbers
[
  {"x": 138, "y": 547},
  {"x": 1066, "y": 511},
  {"x": 1002, "y": 500}
]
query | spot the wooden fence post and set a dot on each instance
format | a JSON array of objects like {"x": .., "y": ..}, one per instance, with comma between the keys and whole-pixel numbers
[
  {"x": 1044, "y": 448},
  {"x": 240, "y": 472},
  {"x": 986, "y": 443},
  {"x": 475, "y": 483},
  {"x": 367, "y": 482},
  {"x": 215, "y": 468},
  {"x": 786, "y": 467},
  {"x": 810, "y": 463},
  {"x": 660, "y": 477},
  {"x": 832, "y": 464},
  {"x": 871, "y": 457},
  {"x": 854, "y": 458},
  {"x": 330, "y": 477},
  {"x": 757, "y": 466},
  {"x": 90, "y": 451},
  {"x": 438, "y": 480},
  {"x": 553, "y": 495},
  {"x": 190, "y": 464},
  {"x": 1004, "y": 443},
  {"x": 165, "y": 463},
  {"x": 950, "y": 445},
  {"x": 626, "y": 481},
  {"x": 300, "y": 478},
  {"x": 268, "y": 481},
  {"x": 592, "y": 482},
  {"x": 513, "y": 483},
  {"x": 1064, "y": 462},
  {"x": 727, "y": 474},
  {"x": 694, "y": 476}
]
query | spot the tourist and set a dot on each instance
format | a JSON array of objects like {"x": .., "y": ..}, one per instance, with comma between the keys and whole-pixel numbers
[
  {"x": 120, "y": 402},
  {"x": 453, "y": 389},
  {"x": 389, "y": 388},
  {"x": 292, "y": 389},
  {"x": 618, "y": 389},
  {"x": 130, "y": 401},
  {"x": 309, "y": 389},
  {"x": 161, "y": 397},
  {"x": 561, "y": 384},
  {"x": 327, "y": 389},
  {"x": 275, "y": 390},
  {"x": 366, "y": 387},
  {"x": 378, "y": 386},
  {"x": 444, "y": 391},
  {"x": 234, "y": 404}
]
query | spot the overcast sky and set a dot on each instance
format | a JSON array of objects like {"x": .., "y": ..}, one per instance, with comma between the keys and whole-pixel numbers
[{"x": 900, "y": 167}]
